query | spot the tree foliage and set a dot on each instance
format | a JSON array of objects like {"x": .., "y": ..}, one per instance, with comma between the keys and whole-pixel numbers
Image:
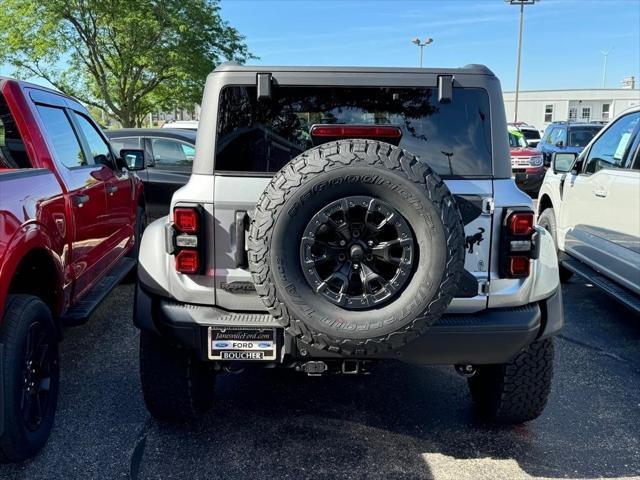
[{"x": 127, "y": 57}]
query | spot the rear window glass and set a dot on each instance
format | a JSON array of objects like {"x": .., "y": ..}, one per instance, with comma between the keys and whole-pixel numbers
[
  {"x": 125, "y": 143},
  {"x": 12, "y": 151},
  {"x": 530, "y": 134},
  {"x": 263, "y": 135},
  {"x": 580, "y": 136}
]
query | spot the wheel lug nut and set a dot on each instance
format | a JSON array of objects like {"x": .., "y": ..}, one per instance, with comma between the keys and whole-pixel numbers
[
  {"x": 369, "y": 257},
  {"x": 342, "y": 243},
  {"x": 342, "y": 257}
]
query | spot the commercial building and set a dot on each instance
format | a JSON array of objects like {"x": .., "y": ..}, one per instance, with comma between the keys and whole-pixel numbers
[{"x": 540, "y": 107}]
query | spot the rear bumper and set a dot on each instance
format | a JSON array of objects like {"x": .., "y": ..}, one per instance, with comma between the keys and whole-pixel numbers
[{"x": 492, "y": 336}]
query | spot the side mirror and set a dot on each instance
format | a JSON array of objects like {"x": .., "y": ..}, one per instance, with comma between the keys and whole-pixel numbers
[
  {"x": 559, "y": 144},
  {"x": 563, "y": 162},
  {"x": 133, "y": 159}
]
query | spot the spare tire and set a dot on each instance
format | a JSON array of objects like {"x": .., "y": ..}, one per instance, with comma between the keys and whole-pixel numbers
[{"x": 356, "y": 247}]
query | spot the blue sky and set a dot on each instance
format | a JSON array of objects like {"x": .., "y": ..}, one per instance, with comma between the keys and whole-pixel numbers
[{"x": 561, "y": 45}]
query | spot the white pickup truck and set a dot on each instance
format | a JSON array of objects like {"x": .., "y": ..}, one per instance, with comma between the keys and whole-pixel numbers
[{"x": 591, "y": 205}]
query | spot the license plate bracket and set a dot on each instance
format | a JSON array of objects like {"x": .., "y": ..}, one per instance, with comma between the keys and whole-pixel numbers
[{"x": 231, "y": 344}]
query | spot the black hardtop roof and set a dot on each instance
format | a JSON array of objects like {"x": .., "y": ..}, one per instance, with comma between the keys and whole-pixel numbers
[{"x": 473, "y": 69}]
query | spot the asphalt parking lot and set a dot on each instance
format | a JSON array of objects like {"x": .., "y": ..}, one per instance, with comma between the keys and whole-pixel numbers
[{"x": 399, "y": 422}]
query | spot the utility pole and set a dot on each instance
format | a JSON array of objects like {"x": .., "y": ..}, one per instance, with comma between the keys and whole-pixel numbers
[
  {"x": 604, "y": 67},
  {"x": 522, "y": 3},
  {"x": 417, "y": 41}
]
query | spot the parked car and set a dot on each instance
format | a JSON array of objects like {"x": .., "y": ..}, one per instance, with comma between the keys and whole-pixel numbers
[
  {"x": 168, "y": 158},
  {"x": 70, "y": 220},
  {"x": 566, "y": 137},
  {"x": 526, "y": 163},
  {"x": 591, "y": 205},
  {"x": 185, "y": 124},
  {"x": 530, "y": 133},
  {"x": 338, "y": 220}
]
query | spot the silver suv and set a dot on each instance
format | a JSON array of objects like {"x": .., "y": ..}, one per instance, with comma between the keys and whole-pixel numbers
[{"x": 337, "y": 217}]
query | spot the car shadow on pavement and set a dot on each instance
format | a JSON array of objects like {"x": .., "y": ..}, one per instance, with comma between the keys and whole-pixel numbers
[{"x": 400, "y": 422}]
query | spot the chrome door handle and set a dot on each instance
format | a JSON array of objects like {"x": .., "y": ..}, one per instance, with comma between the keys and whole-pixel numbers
[
  {"x": 112, "y": 189},
  {"x": 600, "y": 193},
  {"x": 80, "y": 200}
]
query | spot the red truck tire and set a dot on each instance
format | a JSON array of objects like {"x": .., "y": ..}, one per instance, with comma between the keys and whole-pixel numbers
[{"x": 30, "y": 379}]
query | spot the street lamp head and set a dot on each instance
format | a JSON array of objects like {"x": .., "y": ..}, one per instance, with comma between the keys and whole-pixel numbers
[
  {"x": 416, "y": 41},
  {"x": 428, "y": 40},
  {"x": 521, "y": 2}
]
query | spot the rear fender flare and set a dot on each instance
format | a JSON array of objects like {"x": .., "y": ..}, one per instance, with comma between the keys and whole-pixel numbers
[
  {"x": 29, "y": 238},
  {"x": 152, "y": 260}
]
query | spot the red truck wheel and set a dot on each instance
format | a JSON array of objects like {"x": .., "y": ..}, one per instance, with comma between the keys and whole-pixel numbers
[{"x": 30, "y": 376}]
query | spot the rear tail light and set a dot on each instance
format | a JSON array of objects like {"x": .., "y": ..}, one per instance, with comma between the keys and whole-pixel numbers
[
  {"x": 186, "y": 219},
  {"x": 521, "y": 223},
  {"x": 323, "y": 133},
  {"x": 188, "y": 261},
  {"x": 353, "y": 131},
  {"x": 186, "y": 239},
  {"x": 518, "y": 266},
  {"x": 517, "y": 244}
]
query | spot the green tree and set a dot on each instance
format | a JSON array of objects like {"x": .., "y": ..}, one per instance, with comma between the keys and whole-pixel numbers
[{"x": 126, "y": 57}]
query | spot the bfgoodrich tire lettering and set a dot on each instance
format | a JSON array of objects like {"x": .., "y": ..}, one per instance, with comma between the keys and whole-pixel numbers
[{"x": 343, "y": 169}]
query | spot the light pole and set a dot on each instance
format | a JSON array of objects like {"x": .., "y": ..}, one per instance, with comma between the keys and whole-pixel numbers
[
  {"x": 426, "y": 42},
  {"x": 522, "y": 3},
  {"x": 604, "y": 67}
]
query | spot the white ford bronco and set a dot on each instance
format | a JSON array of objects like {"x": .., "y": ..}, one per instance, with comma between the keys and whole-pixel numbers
[{"x": 338, "y": 217}]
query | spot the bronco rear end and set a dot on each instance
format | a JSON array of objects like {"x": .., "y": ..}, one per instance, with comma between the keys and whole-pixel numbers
[{"x": 337, "y": 217}]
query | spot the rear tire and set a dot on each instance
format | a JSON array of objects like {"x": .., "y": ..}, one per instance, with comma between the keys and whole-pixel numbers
[
  {"x": 30, "y": 376},
  {"x": 176, "y": 386},
  {"x": 547, "y": 220},
  {"x": 517, "y": 391}
]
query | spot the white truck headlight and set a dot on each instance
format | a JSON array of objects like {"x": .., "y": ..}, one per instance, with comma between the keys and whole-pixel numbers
[{"x": 536, "y": 161}]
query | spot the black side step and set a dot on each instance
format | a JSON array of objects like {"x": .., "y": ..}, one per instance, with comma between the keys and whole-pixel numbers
[
  {"x": 80, "y": 312},
  {"x": 623, "y": 295}
]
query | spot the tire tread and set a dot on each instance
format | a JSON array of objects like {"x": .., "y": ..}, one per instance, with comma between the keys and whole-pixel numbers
[{"x": 325, "y": 158}]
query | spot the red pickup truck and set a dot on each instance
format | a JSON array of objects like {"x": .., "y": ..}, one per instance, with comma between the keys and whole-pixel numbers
[{"x": 70, "y": 216}]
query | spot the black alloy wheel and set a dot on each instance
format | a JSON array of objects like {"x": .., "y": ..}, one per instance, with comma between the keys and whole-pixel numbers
[
  {"x": 358, "y": 252},
  {"x": 36, "y": 374}
]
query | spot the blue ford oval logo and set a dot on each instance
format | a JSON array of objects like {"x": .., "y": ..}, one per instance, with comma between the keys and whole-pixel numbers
[
  {"x": 264, "y": 345},
  {"x": 221, "y": 344}
]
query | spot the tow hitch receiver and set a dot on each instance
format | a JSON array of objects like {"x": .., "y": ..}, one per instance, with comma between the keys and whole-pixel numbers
[{"x": 316, "y": 368}]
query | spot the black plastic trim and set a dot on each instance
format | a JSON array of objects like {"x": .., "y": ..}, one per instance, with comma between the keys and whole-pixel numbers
[
  {"x": 488, "y": 337},
  {"x": 468, "y": 285}
]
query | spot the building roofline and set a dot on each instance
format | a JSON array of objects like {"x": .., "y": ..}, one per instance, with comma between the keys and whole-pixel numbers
[{"x": 577, "y": 90}]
